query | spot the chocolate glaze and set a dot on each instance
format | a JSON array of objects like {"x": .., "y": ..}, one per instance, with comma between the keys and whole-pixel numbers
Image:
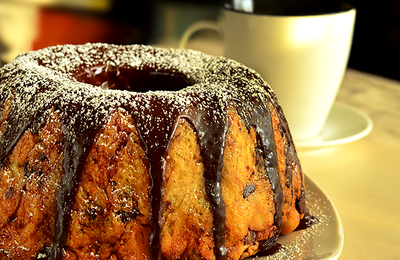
[
  {"x": 212, "y": 143},
  {"x": 258, "y": 115},
  {"x": 75, "y": 154},
  {"x": 86, "y": 83}
]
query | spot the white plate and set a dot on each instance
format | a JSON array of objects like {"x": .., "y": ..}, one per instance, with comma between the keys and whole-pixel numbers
[
  {"x": 323, "y": 240},
  {"x": 344, "y": 124}
]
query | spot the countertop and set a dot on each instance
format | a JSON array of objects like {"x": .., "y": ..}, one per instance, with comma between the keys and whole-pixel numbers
[{"x": 362, "y": 178}]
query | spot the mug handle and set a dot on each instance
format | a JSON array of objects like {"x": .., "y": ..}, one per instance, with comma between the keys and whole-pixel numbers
[{"x": 195, "y": 27}]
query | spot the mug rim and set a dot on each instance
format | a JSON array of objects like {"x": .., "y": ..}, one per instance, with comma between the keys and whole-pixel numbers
[{"x": 346, "y": 7}]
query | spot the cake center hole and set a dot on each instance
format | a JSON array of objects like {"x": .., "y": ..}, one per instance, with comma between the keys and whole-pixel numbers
[{"x": 143, "y": 80}]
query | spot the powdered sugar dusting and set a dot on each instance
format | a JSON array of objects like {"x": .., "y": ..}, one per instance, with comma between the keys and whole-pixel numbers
[
  {"x": 53, "y": 69},
  {"x": 58, "y": 64},
  {"x": 54, "y": 79}
]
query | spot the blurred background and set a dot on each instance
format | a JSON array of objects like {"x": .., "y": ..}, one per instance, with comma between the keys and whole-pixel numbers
[{"x": 34, "y": 24}]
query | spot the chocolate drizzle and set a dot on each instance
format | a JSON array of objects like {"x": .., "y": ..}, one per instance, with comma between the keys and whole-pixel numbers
[
  {"x": 212, "y": 143},
  {"x": 87, "y": 82},
  {"x": 76, "y": 146},
  {"x": 265, "y": 130},
  {"x": 290, "y": 154},
  {"x": 260, "y": 117},
  {"x": 156, "y": 151}
]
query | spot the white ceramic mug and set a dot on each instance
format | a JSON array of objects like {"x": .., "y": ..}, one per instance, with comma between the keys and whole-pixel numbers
[{"x": 303, "y": 58}]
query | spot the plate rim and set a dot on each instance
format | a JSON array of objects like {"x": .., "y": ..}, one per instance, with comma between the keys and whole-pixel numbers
[
  {"x": 317, "y": 142},
  {"x": 336, "y": 213}
]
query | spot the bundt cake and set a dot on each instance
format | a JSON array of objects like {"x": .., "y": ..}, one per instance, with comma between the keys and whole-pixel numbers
[{"x": 135, "y": 152}]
